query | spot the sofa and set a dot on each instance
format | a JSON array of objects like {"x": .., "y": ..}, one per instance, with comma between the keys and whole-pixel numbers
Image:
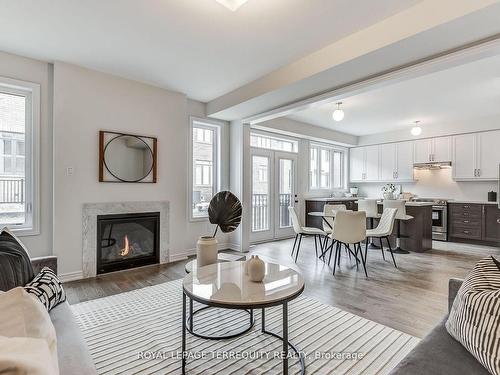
[
  {"x": 438, "y": 353},
  {"x": 72, "y": 351}
]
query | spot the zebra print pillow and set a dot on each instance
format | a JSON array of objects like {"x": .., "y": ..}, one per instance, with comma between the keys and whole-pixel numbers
[
  {"x": 47, "y": 288},
  {"x": 474, "y": 318}
]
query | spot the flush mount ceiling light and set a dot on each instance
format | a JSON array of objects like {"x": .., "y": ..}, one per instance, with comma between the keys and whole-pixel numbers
[
  {"x": 232, "y": 4},
  {"x": 338, "y": 114},
  {"x": 416, "y": 130}
]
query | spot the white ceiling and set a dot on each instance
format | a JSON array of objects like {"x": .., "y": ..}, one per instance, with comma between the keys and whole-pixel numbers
[
  {"x": 197, "y": 47},
  {"x": 457, "y": 95}
]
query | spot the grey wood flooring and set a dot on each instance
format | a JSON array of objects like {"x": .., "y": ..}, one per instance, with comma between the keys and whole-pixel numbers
[{"x": 411, "y": 298}]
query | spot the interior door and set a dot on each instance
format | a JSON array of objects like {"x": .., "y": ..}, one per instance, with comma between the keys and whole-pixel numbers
[
  {"x": 262, "y": 228},
  {"x": 285, "y": 182}
]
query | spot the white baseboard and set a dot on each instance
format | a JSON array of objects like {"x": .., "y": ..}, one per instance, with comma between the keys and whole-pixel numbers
[{"x": 70, "y": 276}]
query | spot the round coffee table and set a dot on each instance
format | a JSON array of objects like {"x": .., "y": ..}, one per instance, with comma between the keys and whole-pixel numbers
[{"x": 226, "y": 285}]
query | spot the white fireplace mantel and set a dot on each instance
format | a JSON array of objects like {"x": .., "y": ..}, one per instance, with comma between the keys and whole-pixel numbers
[{"x": 89, "y": 227}]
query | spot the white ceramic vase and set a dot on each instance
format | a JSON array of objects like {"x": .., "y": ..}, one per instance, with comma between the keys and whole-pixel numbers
[
  {"x": 388, "y": 195},
  {"x": 206, "y": 251},
  {"x": 354, "y": 191},
  {"x": 256, "y": 269}
]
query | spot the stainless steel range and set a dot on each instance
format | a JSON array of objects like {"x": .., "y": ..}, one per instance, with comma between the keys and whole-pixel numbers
[{"x": 439, "y": 217}]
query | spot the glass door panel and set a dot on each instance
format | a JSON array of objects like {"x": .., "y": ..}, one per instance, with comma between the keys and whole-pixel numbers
[
  {"x": 285, "y": 182},
  {"x": 262, "y": 224}
]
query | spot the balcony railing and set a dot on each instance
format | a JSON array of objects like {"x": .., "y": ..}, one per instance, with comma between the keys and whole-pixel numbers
[
  {"x": 11, "y": 190},
  {"x": 260, "y": 211}
]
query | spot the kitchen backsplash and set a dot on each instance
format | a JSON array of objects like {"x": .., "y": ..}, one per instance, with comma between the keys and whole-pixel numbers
[{"x": 436, "y": 184}]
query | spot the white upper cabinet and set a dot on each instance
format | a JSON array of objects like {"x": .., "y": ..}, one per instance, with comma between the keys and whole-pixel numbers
[
  {"x": 441, "y": 149},
  {"x": 404, "y": 156},
  {"x": 357, "y": 164},
  {"x": 432, "y": 150},
  {"x": 488, "y": 156},
  {"x": 476, "y": 156},
  {"x": 372, "y": 163},
  {"x": 422, "y": 150},
  {"x": 388, "y": 161}
]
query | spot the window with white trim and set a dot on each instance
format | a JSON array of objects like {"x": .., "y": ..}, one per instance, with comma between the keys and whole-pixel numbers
[
  {"x": 273, "y": 143},
  {"x": 17, "y": 184},
  {"x": 326, "y": 167},
  {"x": 204, "y": 165}
]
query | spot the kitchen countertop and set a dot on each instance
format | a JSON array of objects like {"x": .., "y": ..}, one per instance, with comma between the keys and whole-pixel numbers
[
  {"x": 473, "y": 202},
  {"x": 414, "y": 204}
]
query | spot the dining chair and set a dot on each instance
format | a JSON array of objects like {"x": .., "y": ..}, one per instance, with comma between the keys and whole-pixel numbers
[
  {"x": 328, "y": 221},
  {"x": 350, "y": 228},
  {"x": 301, "y": 231},
  {"x": 383, "y": 230},
  {"x": 400, "y": 204},
  {"x": 370, "y": 206}
]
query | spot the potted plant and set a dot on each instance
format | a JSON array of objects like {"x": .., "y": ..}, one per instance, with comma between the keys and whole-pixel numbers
[
  {"x": 388, "y": 191},
  {"x": 224, "y": 211}
]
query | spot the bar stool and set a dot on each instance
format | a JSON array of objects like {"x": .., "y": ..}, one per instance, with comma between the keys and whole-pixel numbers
[
  {"x": 303, "y": 231},
  {"x": 400, "y": 215},
  {"x": 370, "y": 206}
]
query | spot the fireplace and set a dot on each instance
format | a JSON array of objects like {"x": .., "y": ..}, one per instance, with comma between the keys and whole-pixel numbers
[{"x": 127, "y": 240}]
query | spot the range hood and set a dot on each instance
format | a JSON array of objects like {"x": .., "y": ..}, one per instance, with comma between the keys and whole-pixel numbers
[{"x": 433, "y": 165}]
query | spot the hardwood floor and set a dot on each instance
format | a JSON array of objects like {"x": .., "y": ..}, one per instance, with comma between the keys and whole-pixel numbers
[{"x": 411, "y": 298}]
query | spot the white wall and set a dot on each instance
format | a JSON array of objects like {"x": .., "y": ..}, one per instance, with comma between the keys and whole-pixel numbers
[
  {"x": 436, "y": 184},
  {"x": 35, "y": 71},
  {"x": 85, "y": 102}
]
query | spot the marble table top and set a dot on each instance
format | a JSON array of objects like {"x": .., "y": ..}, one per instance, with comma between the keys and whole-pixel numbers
[
  {"x": 221, "y": 257},
  {"x": 227, "y": 284},
  {"x": 322, "y": 214}
]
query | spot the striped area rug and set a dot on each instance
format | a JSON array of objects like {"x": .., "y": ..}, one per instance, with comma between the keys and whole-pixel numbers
[{"x": 139, "y": 332}]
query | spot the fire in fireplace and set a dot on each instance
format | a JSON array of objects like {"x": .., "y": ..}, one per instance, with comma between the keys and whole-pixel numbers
[{"x": 127, "y": 240}]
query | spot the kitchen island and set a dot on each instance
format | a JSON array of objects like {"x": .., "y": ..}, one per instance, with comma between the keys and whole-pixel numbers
[{"x": 416, "y": 233}]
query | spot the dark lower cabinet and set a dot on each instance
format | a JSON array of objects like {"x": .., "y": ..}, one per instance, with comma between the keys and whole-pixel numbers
[
  {"x": 475, "y": 223},
  {"x": 491, "y": 223},
  {"x": 317, "y": 206}
]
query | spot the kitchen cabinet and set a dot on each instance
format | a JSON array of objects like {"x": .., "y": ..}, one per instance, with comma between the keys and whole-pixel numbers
[
  {"x": 364, "y": 163},
  {"x": 475, "y": 223},
  {"x": 432, "y": 150},
  {"x": 317, "y": 205},
  {"x": 396, "y": 161},
  {"x": 476, "y": 156}
]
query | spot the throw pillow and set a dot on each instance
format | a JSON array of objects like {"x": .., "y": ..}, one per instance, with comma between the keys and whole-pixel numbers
[
  {"x": 15, "y": 264},
  {"x": 47, "y": 288},
  {"x": 474, "y": 318},
  {"x": 24, "y": 316},
  {"x": 25, "y": 356}
]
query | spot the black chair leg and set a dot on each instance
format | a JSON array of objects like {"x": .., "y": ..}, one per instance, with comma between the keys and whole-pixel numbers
[
  {"x": 390, "y": 249},
  {"x": 294, "y": 243},
  {"x": 366, "y": 247},
  {"x": 382, "y": 248},
  {"x": 316, "y": 245},
  {"x": 298, "y": 248},
  {"x": 363, "y": 261},
  {"x": 331, "y": 251},
  {"x": 337, "y": 254}
]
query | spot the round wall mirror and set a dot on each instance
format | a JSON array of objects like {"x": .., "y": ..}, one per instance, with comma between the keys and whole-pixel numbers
[{"x": 128, "y": 158}]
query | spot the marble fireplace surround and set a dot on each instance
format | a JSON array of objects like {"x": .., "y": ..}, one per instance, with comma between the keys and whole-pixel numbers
[{"x": 89, "y": 227}]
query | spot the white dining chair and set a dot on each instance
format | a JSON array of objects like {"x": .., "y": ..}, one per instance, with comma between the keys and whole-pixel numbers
[
  {"x": 349, "y": 228},
  {"x": 400, "y": 205},
  {"x": 383, "y": 230},
  {"x": 329, "y": 210},
  {"x": 301, "y": 231},
  {"x": 370, "y": 206}
]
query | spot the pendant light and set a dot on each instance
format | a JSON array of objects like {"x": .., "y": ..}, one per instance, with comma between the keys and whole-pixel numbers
[
  {"x": 416, "y": 130},
  {"x": 338, "y": 114}
]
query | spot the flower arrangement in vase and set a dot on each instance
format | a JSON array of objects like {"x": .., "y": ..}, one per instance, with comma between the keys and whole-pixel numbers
[{"x": 388, "y": 191}]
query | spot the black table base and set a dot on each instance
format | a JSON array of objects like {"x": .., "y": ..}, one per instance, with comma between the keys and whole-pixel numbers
[{"x": 187, "y": 326}]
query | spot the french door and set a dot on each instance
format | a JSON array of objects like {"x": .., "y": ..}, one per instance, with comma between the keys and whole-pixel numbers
[{"x": 273, "y": 191}]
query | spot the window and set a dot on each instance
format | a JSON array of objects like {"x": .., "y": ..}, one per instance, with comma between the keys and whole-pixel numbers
[
  {"x": 19, "y": 114},
  {"x": 326, "y": 167},
  {"x": 273, "y": 143},
  {"x": 204, "y": 164}
]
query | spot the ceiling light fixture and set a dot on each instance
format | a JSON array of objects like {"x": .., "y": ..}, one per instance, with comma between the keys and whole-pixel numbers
[
  {"x": 338, "y": 114},
  {"x": 416, "y": 130},
  {"x": 232, "y": 4}
]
